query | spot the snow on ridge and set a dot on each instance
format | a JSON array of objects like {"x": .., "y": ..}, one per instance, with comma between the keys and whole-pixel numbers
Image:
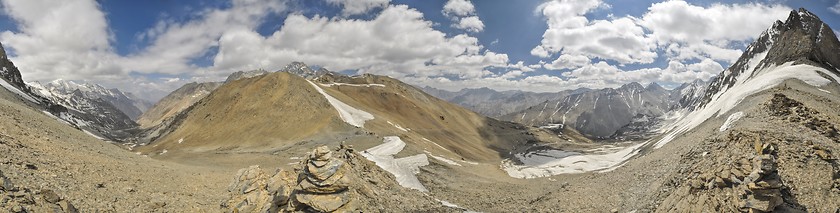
[
  {"x": 731, "y": 120},
  {"x": 725, "y": 100},
  {"x": 403, "y": 169},
  {"x": 17, "y": 91},
  {"x": 552, "y": 162},
  {"x": 347, "y": 113},
  {"x": 352, "y": 85}
]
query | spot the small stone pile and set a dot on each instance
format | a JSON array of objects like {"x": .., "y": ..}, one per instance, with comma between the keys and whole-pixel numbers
[
  {"x": 19, "y": 199},
  {"x": 761, "y": 189},
  {"x": 322, "y": 184},
  {"x": 252, "y": 190},
  {"x": 319, "y": 184}
]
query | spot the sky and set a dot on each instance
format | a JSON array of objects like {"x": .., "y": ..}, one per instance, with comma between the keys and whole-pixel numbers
[{"x": 152, "y": 47}]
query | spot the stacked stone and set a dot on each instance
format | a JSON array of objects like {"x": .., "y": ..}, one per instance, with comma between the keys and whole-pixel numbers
[
  {"x": 761, "y": 191},
  {"x": 323, "y": 186}
]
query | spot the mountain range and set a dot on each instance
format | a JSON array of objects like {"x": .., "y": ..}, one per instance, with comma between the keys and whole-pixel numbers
[{"x": 762, "y": 136}]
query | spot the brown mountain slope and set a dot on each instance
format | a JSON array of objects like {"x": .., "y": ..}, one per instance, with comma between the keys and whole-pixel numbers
[
  {"x": 175, "y": 102},
  {"x": 40, "y": 153},
  {"x": 284, "y": 112},
  {"x": 265, "y": 111},
  {"x": 427, "y": 122}
]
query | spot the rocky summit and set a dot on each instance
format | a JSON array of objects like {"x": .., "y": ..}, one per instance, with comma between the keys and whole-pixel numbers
[{"x": 392, "y": 106}]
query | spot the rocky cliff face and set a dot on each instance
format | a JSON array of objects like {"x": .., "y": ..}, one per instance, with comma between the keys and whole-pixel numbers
[
  {"x": 8, "y": 71},
  {"x": 802, "y": 39}
]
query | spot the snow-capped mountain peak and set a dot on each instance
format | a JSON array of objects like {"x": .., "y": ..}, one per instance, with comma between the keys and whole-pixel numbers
[
  {"x": 802, "y": 47},
  {"x": 70, "y": 94}
]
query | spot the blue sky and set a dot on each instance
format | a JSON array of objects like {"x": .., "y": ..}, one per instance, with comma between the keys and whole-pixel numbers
[{"x": 153, "y": 47}]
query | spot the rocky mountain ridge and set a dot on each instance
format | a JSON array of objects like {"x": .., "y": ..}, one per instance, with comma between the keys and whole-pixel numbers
[
  {"x": 494, "y": 103},
  {"x": 65, "y": 91},
  {"x": 95, "y": 116},
  {"x": 801, "y": 39}
]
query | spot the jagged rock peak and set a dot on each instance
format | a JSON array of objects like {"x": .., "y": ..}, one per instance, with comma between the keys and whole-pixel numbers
[
  {"x": 654, "y": 86},
  {"x": 296, "y": 65},
  {"x": 801, "y": 39},
  {"x": 2, "y": 52},
  {"x": 303, "y": 70},
  {"x": 245, "y": 74},
  {"x": 632, "y": 85},
  {"x": 803, "y": 36},
  {"x": 9, "y": 72}
]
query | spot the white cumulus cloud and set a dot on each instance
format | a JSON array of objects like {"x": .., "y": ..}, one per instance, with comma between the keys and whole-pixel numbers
[
  {"x": 462, "y": 13},
  {"x": 354, "y": 7},
  {"x": 695, "y": 32},
  {"x": 397, "y": 42},
  {"x": 48, "y": 46},
  {"x": 570, "y": 32},
  {"x": 835, "y": 8},
  {"x": 472, "y": 24},
  {"x": 458, "y": 8}
]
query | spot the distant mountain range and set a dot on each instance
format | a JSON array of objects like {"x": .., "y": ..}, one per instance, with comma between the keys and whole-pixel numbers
[
  {"x": 105, "y": 113},
  {"x": 71, "y": 94},
  {"x": 598, "y": 114},
  {"x": 494, "y": 103},
  {"x": 259, "y": 110}
]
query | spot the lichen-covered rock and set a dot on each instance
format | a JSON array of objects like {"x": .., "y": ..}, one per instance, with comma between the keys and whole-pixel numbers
[{"x": 252, "y": 190}]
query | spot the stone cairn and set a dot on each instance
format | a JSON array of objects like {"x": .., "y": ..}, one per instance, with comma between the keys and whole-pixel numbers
[
  {"x": 323, "y": 185},
  {"x": 320, "y": 185},
  {"x": 760, "y": 191}
]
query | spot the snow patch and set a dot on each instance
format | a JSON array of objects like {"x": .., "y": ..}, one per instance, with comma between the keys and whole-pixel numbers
[
  {"x": 353, "y": 85},
  {"x": 448, "y": 204},
  {"x": 404, "y": 169},
  {"x": 94, "y": 135},
  {"x": 17, "y": 91},
  {"x": 436, "y": 144},
  {"x": 347, "y": 113},
  {"x": 826, "y": 91},
  {"x": 731, "y": 120},
  {"x": 180, "y": 140},
  {"x": 443, "y": 159},
  {"x": 398, "y": 126},
  {"x": 548, "y": 162}
]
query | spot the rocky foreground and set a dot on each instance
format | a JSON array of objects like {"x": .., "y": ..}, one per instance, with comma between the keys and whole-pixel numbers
[{"x": 325, "y": 181}]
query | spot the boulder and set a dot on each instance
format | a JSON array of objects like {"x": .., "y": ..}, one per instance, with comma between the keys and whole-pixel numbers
[{"x": 252, "y": 190}]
